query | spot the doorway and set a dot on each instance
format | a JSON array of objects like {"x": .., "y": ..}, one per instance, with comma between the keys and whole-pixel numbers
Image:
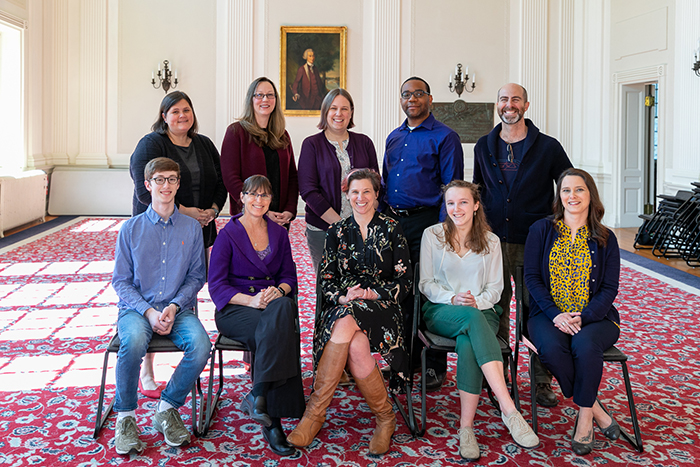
[{"x": 639, "y": 151}]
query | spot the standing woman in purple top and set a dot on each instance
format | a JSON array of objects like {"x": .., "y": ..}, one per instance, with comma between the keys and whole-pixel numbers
[
  {"x": 252, "y": 279},
  {"x": 325, "y": 160}
]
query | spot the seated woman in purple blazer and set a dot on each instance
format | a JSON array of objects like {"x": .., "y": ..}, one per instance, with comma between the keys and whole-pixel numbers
[
  {"x": 252, "y": 278},
  {"x": 325, "y": 160}
]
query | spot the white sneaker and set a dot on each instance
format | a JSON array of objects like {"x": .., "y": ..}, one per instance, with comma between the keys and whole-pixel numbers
[{"x": 520, "y": 431}]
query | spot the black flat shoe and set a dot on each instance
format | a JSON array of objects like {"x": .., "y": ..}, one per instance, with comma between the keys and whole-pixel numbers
[
  {"x": 581, "y": 449},
  {"x": 433, "y": 381},
  {"x": 612, "y": 431},
  {"x": 277, "y": 440},
  {"x": 256, "y": 408}
]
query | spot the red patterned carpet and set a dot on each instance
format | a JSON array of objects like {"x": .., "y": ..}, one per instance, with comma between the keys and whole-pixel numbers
[{"x": 57, "y": 313}]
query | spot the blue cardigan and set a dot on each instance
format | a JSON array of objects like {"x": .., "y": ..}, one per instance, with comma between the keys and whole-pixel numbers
[
  {"x": 511, "y": 213},
  {"x": 604, "y": 279}
]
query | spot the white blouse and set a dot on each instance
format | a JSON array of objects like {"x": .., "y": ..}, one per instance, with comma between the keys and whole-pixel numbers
[{"x": 443, "y": 273}]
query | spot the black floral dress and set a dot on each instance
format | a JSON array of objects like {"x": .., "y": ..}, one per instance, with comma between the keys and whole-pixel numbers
[{"x": 381, "y": 263}]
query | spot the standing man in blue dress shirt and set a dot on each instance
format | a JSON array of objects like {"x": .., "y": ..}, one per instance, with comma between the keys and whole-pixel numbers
[
  {"x": 516, "y": 167},
  {"x": 421, "y": 156},
  {"x": 158, "y": 271}
]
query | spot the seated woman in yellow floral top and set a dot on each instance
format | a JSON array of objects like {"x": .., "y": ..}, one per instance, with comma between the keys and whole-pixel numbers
[
  {"x": 365, "y": 274},
  {"x": 572, "y": 270}
]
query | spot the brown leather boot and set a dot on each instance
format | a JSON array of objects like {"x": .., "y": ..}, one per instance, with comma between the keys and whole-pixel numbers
[
  {"x": 373, "y": 389},
  {"x": 330, "y": 367}
]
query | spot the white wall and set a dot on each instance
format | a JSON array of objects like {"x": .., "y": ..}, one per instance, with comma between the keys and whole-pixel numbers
[{"x": 567, "y": 53}]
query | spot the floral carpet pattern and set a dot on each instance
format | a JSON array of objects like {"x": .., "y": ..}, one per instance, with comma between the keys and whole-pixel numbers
[{"x": 58, "y": 312}]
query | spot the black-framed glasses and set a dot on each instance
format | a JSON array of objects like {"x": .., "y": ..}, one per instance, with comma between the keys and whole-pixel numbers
[
  {"x": 417, "y": 94},
  {"x": 258, "y": 195},
  {"x": 161, "y": 180},
  {"x": 260, "y": 96}
]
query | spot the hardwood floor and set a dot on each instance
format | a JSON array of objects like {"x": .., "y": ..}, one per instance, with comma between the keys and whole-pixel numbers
[
  {"x": 27, "y": 226},
  {"x": 625, "y": 237}
]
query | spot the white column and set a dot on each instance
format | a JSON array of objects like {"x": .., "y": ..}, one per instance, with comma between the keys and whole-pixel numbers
[
  {"x": 566, "y": 74},
  {"x": 56, "y": 81},
  {"x": 234, "y": 59},
  {"x": 93, "y": 83},
  {"x": 386, "y": 69},
  {"x": 686, "y": 92},
  {"x": 533, "y": 62}
]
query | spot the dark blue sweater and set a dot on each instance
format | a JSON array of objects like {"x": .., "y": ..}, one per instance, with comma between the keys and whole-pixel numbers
[
  {"x": 511, "y": 212},
  {"x": 604, "y": 279}
]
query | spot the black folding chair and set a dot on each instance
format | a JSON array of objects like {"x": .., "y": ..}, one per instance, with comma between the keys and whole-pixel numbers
[
  {"x": 221, "y": 345},
  {"x": 436, "y": 342},
  {"x": 158, "y": 344},
  {"x": 613, "y": 354}
]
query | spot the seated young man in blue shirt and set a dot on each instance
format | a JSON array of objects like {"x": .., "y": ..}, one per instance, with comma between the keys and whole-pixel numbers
[{"x": 159, "y": 269}]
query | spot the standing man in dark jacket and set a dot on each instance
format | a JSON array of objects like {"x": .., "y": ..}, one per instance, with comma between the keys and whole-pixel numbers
[{"x": 517, "y": 168}]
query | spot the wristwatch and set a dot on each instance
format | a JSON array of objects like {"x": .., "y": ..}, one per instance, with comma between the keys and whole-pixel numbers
[
  {"x": 177, "y": 307},
  {"x": 216, "y": 212}
]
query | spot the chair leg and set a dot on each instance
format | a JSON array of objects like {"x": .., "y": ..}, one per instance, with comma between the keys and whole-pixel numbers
[
  {"x": 637, "y": 442},
  {"x": 423, "y": 405},
  {"x": 533, "y": 393},
  {"x": 213, "y": 398},
  {"x": 514, "y": 382},
  {"x": 100, "y": 419}
]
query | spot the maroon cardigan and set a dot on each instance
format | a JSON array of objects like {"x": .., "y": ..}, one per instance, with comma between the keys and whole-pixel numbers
[{"x": 241, "y": 158}]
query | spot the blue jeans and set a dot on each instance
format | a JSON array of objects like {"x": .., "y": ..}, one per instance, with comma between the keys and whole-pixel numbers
[{"x": 135, "y": 334}]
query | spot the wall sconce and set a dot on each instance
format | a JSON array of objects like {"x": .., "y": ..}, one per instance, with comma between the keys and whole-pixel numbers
[
  {"x": 164, "y": 77},
  {"x": 696, "y": 65},
  {"x": 460, "y": 82}
]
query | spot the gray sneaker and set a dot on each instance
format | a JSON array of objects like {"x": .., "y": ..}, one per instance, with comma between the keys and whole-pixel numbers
[
  {"x": 170, "y": 424},
  {"x": 126, "y": 438}
]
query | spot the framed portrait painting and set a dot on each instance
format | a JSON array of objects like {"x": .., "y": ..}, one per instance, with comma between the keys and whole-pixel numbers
[{"x": 312, "y": 62}]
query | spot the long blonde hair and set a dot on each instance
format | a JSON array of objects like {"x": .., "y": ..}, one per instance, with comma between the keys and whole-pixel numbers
[
  {"x": 272, "y": 136},
  {"x": 477, "y": 240}
]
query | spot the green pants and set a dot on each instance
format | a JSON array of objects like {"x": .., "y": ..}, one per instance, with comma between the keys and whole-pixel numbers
[{"x": 475, "y": 333}]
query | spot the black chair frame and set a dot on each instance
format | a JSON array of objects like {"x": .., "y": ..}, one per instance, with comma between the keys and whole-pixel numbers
[
  {"x": 432, "y": 341},
  {"x": 158, "y": 344},
  {"x": 613, "y": 354}
]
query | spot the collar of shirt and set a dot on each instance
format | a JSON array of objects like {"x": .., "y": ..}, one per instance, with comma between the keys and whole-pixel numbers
[
  {"x": 154, "y": 217},
  {"x": 427, "y": 124}
]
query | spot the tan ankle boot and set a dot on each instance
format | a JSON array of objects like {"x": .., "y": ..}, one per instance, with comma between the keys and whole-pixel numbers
[
  {"x": 328, "y": 372},
  {"x": 373, "y": 389}
]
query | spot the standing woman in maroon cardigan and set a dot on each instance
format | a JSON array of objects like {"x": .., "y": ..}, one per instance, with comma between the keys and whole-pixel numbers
[{"x": 258, "y": 144}]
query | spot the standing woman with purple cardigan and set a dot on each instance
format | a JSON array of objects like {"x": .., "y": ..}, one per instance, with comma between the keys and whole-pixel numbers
[{"x": 325, "y": 160}]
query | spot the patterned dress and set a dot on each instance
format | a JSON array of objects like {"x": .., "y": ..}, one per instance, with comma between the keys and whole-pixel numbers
[{"x": 381, "y": 263}]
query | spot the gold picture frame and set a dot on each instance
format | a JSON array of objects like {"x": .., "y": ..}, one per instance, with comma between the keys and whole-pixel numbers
[{"x": 302, "y": 88}]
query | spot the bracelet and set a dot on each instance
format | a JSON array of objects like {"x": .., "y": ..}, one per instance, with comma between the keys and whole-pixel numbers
[{"x": 284, "y": 294}]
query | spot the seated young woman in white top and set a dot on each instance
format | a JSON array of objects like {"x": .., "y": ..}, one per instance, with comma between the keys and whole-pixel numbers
[{"x": 462, "y": 277}]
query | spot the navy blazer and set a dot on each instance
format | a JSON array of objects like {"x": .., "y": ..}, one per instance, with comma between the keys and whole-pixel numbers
[
  {"x": 604, "y": 278},
  {"x": 235, "y": 267}
]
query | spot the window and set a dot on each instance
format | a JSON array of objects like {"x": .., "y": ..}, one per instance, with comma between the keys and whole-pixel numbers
[{"x": 12, "y": 149}]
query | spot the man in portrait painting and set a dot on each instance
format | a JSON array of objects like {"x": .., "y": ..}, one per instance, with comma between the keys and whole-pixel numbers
[{"x": 308, "y": 88}]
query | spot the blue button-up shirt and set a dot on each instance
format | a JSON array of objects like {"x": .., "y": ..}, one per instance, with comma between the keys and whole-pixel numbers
[
  {"x": 418, "y": 162},
  {"x": 157, "y": 263}
]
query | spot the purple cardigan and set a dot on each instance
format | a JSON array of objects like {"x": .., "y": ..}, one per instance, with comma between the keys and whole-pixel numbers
[
  {"x": 236, "y": 268},
  {"x": 319, "y": 172}
]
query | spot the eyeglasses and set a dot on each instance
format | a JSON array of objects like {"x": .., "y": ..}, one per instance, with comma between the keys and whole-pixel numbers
[
  {"x": 417, "y": 94},
  {"x": 161, "y": 180},
  {"x": 258, "y": 195},
  {"x": 260, "y": 96},
  {"x": 511, "y": 156}
]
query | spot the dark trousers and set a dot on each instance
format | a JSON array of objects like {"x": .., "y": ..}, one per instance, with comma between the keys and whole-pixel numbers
[
  {"x": 576, "y": 361},
  {"x": 413, "y": 227},
  {"x": 272, "y": 335},
  {"x": 513, "y": 256}
]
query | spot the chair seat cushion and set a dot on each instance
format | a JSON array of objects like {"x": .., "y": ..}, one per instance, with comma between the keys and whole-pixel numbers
[
  {"x": 613, "y": 354},
  {"x": 225, "y": 343},
  {"x": 158, "y": 344}
]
